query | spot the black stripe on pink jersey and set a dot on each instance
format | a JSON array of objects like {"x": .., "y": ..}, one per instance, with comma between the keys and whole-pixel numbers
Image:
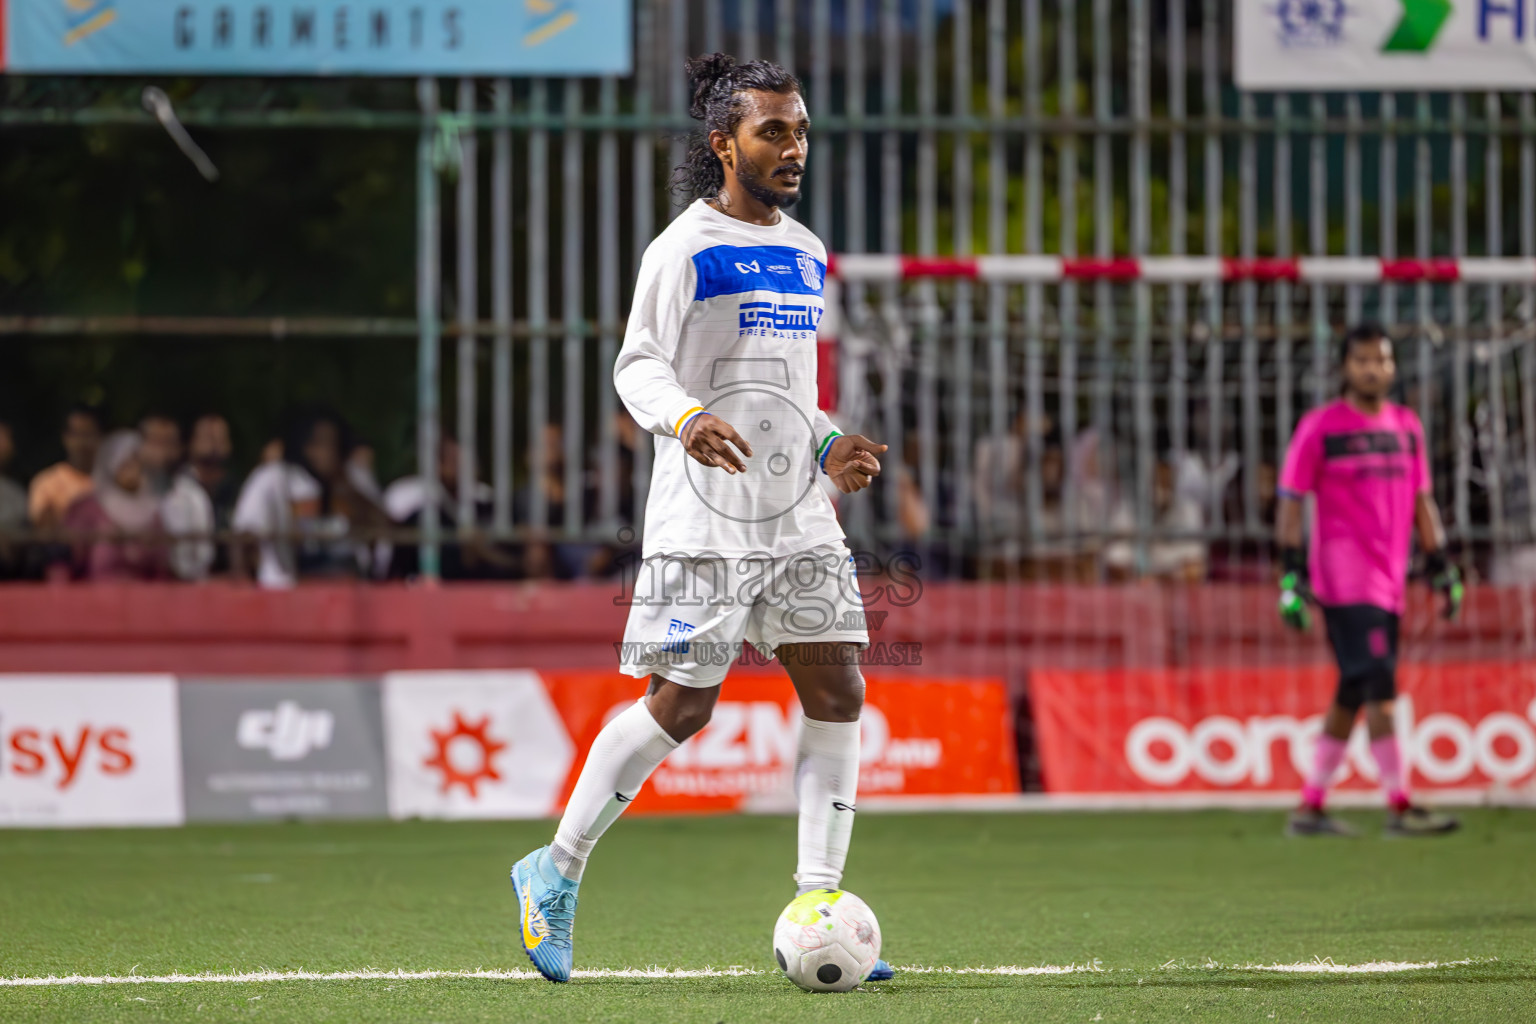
[{"x": 1368, "y": 442}]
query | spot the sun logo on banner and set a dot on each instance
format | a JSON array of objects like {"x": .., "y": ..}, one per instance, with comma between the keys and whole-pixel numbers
[
  {"x": 454, "y": 775},
  {"x": 87, "y": 17},
  {"x": 546, "y": 19}
]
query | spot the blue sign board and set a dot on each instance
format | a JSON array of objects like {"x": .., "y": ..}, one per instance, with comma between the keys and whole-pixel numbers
[{"x": 318, "y": 37}]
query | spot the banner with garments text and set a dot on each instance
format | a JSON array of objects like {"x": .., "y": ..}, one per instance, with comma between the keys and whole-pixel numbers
[
  {"x": 1469, "y": 726},
  {"x": 317, "y": 37}
]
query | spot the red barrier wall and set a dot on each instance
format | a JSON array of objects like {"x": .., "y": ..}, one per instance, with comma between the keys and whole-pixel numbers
[{"x": 970, "y": 629}]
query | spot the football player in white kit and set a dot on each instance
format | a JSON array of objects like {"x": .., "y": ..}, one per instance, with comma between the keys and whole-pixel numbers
[{"x": 741, "y": 543}]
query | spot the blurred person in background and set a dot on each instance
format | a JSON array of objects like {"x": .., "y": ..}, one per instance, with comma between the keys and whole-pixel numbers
[
  {"x": 619, "y": 552},
  {"x": 997, "y": 488},
  {"x": 557, "y": 559},
  {"x": 186, "y": 506},
  {"x": 1049, "y": 553},
  {"x": 302, "y": 510},
  {"x": 464, "y": 555},
  {"x": 56, "y": 488},
  {"x": 1170, "y": 556},
  {"x": 185, "y": 510},
  {"x": 160, "y": 453},
  {"x": 405, "y": 498},
  {"x": 1096, "y": 478},
  {"x": 901, "y": 508},
  {"x": 13, "y": 497},
  {"x": 209, "y": 450},
  {"x": 13, "y": 509},
  {"x": 115, "y": 528},
  {"x": 361, "y": 461}
]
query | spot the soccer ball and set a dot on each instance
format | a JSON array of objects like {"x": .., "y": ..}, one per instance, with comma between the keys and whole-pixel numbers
[{"x": 827, "y": 941}]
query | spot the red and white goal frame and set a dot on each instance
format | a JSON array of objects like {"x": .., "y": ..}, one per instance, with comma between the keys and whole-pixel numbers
[
  {"x": 1230, "y": 721},
  {"x": 1013, "y": 269}
]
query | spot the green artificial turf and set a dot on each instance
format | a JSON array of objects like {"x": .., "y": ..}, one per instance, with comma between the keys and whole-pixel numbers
[{"x": 1165, "y": 907}]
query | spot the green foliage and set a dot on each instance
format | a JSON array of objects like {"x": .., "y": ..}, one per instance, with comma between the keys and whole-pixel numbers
[{"x": 116, "y": 221}]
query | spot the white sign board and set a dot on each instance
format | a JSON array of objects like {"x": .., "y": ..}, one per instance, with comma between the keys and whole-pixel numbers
[
  {"x": 473, "y": 745},
  {"x": 89, "y": 750},
  {"x": 1361, "y": 45}
]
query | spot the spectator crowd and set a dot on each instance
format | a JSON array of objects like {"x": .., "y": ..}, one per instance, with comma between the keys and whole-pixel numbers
[{"x": 161, "y": 500}]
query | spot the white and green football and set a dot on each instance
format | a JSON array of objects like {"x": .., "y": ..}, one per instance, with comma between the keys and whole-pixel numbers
[{"x": 827, "y": 940}]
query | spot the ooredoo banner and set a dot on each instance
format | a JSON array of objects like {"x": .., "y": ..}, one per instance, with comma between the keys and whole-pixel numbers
[
  {"x": 1462, "y": 726},
  {"x": 89, "y": 750},
  {"x": 918, "y": 736}
]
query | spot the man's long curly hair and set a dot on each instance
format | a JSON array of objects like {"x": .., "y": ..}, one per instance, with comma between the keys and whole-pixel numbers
[{"x": 717, "y": 83}]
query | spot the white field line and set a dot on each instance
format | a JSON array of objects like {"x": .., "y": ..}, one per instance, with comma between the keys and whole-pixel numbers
[
  {"x": 249, "y": 977},
  {"x": 1374, "y": 967},
  {"x": 1008, "y": 803},
  {"x": 256, "y": 977}
]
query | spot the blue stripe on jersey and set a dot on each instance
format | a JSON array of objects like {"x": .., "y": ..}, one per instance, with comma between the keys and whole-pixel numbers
[{"x": 731, "y": 269}]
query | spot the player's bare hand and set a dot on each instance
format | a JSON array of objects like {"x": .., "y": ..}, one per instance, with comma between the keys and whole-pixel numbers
[
  {"x": 710, "y": 440},
  {"x": 852, "y": 462}
]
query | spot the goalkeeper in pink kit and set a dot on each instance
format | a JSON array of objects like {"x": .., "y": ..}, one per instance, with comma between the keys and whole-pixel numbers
[{"x": 1363, "y": 460}]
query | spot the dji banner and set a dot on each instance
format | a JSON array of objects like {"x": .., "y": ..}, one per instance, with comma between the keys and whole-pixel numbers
[{"x": 255, "y": 750}]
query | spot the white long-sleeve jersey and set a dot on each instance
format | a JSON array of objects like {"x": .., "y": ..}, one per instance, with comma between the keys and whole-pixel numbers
[{"x": 724, "y": 319}]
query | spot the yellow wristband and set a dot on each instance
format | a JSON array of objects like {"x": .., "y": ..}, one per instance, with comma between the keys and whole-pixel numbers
[{"x": 678, "y": 430}]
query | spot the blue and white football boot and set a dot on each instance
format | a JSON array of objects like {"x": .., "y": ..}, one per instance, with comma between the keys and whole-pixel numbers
[
  {"x": 882, "y": 972},
  {"x": 546, "y": 909}
]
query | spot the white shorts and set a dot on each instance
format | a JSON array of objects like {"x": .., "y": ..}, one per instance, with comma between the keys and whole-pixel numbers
[{"x": 688, "y": 617}]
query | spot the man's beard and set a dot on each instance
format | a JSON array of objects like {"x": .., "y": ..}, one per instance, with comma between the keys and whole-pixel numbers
[{"x": 757, "y": 186}]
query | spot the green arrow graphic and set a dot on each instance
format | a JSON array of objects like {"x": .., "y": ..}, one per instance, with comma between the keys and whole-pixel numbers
[{"x": 1421, "y": 22}]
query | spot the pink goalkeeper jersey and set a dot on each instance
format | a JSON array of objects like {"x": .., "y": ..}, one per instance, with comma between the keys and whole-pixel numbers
[{"x": 1364, "y": 473}]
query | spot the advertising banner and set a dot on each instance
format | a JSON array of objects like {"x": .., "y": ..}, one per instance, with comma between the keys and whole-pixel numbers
[
  {"x": 1470, "y": 726},
  {"x": 1385, "y": 44},
  {"x": 473, "y": 745},
  {"x": 318, "y": 37},
  {"x": 89, "y": 750},
  {"x": 919, "y": 736},
  {"x": 255, "y": 750}
]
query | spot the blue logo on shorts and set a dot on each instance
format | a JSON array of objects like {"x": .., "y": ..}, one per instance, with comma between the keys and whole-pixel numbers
[{"x": 678, "y": 633}]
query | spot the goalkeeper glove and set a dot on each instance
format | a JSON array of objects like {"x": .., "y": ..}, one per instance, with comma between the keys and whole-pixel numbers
[
  {"x": 1294, "y": 590},
  {"x": 1445, "y": 578}
]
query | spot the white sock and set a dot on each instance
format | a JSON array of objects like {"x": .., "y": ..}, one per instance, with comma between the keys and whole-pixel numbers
[
  {"x": 622, "y": 757},
  {"x": 826, "y": 783}
]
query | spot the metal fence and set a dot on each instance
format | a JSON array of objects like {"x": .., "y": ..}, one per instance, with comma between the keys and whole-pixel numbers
[
  {"x": 948, "y": 127},
  {"x": 1097, "y": 128}
]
